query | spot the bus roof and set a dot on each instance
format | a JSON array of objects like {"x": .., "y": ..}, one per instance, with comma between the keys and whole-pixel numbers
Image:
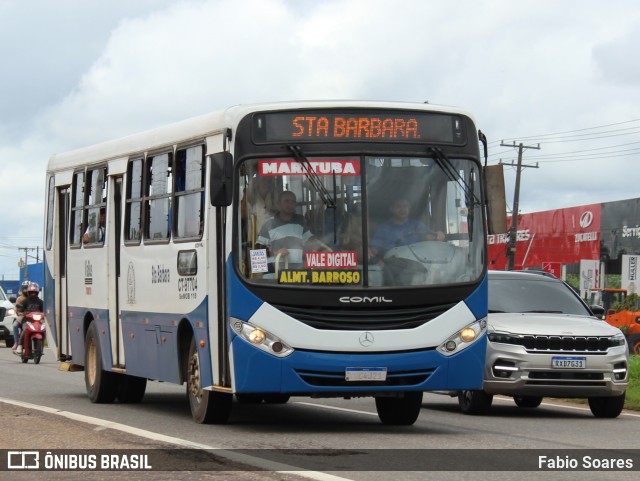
[{"x": 197, "y": 128}]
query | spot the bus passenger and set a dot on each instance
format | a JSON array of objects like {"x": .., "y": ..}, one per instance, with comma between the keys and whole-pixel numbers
[
  {"x": 95, "y": 233},
  {"x": 400, "y": 230},
  {"x": 261, "y": 199},
  {"x": 287, "y": 233}
]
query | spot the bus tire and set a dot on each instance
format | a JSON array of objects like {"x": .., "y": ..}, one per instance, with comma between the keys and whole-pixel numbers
[
  {"x": 248, "y": 398},
  {"x": 527, "y": 401},
  {"x": 634, "y": 344},
  {"x": 474, "y": 401},
  {"x": 400, "y": 411},
  {"x": 607, "y": 407},
  {"x": 131, "y": 388},
  {"x": 276, "y": 398},
  {"x": 207, "y": 407},
  {"x": 100, "y": 384}
]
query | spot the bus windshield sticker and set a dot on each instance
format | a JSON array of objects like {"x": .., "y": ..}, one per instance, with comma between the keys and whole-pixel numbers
[
  {"x": 336, "y": 276},
  {"x": 259, "y": 260},
  {"x": 330, "y": 260}
]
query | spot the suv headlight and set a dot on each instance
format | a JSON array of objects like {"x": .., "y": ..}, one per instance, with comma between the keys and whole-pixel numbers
[
  {"x": 261, "y": 338},
  {"x": 11, "y": 312},
  {"x": 617, "y": 340},
  {"x": 463, "y": 338}
]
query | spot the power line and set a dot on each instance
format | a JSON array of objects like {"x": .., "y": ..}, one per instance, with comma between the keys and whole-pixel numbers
[{"x": 569, "y": 131}]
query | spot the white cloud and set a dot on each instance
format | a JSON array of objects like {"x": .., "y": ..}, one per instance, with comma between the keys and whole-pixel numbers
[{"x": 522, "y": 68}]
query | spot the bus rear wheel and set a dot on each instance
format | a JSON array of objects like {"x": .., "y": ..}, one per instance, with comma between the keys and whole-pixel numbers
[
  {"x": 400, "y": 411},
  {"x": 207, "y": 407},
  {"x": 100, "y": 384}
]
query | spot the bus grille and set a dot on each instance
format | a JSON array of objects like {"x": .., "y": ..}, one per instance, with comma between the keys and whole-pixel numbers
[
  {"x": 333, "y": 379},
  {"x": 357, "y": 319}
]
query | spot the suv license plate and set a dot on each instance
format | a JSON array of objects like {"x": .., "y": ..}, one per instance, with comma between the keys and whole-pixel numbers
[
  {"x": 568, "y": 362},
  {"x": 365, "y": 374}
]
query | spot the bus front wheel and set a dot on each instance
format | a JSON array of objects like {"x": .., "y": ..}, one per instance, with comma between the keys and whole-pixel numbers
[
  {"x": 207, "y": 407},
  {"x": 400, "y": 411}
]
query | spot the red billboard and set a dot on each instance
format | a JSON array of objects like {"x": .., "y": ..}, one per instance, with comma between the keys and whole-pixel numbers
[{"x": 550, "y": 238}]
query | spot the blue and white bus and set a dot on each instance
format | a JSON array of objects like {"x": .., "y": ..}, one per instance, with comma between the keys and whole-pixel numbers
[{"x": 164, "y": 257}]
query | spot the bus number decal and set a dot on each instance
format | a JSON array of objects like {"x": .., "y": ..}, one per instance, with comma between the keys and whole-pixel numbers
[{"x": 188, "y": 288}]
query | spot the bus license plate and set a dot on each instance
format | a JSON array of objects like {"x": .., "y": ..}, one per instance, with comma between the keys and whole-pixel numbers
[
  {"x": 365, "y": 374},
  {"x": 568, "y": 362}
]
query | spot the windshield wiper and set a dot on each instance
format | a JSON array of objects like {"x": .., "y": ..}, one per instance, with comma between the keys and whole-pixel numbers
[
  {"x": 450, "y": 171},
  {"x": 315, "y": 181}
]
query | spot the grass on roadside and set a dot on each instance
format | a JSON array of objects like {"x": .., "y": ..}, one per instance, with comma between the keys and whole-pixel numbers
[{"x": 632, "y": 400}]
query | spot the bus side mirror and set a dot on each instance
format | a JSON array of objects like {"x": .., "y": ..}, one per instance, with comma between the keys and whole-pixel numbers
[{"x": 220, "y": 181}]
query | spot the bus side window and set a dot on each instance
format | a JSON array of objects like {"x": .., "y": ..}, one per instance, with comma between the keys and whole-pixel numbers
[
  {"x": 158, "y": 203},
  {"x": 189, "y": 192},
  {"x": 77, "y": 209},
  {"x": 133, "y": 212}
]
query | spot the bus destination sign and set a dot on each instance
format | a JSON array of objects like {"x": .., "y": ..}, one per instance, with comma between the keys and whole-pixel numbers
[{"x": 369, "y": 126}]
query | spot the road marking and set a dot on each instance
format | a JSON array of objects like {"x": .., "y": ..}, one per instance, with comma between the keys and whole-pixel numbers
[
  {"x": 334, "y": 408},
  {"x": 223, "y": 453}
]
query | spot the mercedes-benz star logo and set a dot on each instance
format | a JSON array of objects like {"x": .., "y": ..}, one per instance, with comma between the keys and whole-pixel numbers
[{"x": 366, "y": 339}]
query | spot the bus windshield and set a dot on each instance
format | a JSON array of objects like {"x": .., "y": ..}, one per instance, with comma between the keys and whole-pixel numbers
[{"x": 311, "y": 221}]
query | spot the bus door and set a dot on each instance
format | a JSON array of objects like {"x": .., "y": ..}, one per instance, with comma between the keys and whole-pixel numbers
[
  {"x": 60, "y": 260},
  {"x": 114, "y": 235}
]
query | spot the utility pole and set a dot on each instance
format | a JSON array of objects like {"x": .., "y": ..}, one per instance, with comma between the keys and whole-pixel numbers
[
  {"x": 26, "y": 260},
  {"x": 513, "y": 232}
]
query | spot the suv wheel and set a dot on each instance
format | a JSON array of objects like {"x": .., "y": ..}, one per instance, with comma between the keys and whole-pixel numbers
[
  {"x": 474, "y": 402},
  {"x": 607, "y": 407}
]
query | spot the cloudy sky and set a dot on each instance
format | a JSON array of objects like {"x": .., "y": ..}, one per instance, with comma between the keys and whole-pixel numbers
[{"x": 564, "y": 74}]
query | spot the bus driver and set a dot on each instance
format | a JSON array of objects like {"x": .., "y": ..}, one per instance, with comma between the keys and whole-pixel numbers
[{"x": 286, "y": 233}]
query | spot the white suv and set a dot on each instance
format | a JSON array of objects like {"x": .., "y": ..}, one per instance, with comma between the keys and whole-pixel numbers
[
  {"x": 544, "y": 341},
  {"x": 7, "y": 316}
]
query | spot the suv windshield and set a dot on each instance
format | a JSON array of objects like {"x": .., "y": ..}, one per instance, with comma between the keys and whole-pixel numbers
[
  {"x": 533, "y": 294},
  {"x": 360, "y": 221}
]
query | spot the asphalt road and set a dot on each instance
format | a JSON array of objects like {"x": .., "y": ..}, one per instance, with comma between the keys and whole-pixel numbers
[{"x": 163, "y": 419}]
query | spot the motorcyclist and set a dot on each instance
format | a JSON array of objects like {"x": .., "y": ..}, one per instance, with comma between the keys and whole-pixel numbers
[
  {"x": 18, "y": 322},
  {"x": 31, "y": 304}
]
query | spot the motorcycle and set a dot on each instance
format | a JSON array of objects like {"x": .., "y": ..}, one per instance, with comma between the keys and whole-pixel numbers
[{"x": 35, "y": 330}]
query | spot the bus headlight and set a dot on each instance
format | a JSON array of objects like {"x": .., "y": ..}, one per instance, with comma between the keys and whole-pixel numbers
[
  {"x": 261, "y": 338},
  {"x": 463, "y": 338}
]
